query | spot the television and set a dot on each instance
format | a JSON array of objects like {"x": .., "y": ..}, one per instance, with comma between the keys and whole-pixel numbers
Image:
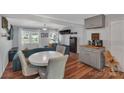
[{"x": 95, "y": 22}]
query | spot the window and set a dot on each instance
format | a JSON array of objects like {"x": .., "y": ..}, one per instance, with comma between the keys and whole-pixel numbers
[
  {"x": 53, "y": 37},
  {"x": 30, "y": 37},
  {"x": 34, "y": 37},
  {"x": 25, "y": 37}
]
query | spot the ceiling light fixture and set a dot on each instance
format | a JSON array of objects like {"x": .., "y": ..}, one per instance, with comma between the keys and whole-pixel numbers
[{"x": 44, "y": 28}]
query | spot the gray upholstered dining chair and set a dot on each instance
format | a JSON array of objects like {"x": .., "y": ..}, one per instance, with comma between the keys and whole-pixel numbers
[
  {"x": 60, "y": 48},
  {"x": 27, "y": 68},
  {"x": 55, "y": 69}
]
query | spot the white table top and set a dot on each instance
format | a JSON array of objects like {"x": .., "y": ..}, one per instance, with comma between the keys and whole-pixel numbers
[{"x": 42, "y": 58}]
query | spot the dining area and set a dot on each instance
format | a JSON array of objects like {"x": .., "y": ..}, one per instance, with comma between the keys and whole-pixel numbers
[{"x": 48, "y": 64}]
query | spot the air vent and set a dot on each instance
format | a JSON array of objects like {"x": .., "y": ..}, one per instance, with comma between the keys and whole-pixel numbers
[{"x": 95, "y": 22}]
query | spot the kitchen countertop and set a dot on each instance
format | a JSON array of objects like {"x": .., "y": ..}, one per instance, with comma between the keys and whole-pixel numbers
[{"x": 90, "y": 46}]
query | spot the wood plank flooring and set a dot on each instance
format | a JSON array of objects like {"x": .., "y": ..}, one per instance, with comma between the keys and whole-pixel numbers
[{"x": 73, "y": 70}]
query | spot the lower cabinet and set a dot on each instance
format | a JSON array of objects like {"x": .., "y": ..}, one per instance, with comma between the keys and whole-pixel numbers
[{"x": 92, "y": 57}]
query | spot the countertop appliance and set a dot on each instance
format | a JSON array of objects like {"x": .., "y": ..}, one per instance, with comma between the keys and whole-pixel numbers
[{"x": 97, "y": 43}]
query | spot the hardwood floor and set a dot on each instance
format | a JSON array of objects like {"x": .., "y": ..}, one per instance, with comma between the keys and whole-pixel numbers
[
  {"x": 9, "y": 74},
  {"x": 73, "y": 70}
]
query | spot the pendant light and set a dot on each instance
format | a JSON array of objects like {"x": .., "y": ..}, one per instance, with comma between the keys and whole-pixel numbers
[{"x": 44, "y": 28}]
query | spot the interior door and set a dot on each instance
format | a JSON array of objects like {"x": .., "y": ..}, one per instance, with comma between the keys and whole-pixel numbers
[{"x": 117, "y": 42}]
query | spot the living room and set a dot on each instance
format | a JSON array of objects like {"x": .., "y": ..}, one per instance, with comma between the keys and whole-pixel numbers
[
  {"x": 27, "y": 34},
  {"x": 61, "y": 46},
  {"x": 39, "y": 31}
]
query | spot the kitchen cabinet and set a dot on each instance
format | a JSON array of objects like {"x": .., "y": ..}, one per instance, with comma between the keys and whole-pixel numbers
[{"x": 91, "y": 56}]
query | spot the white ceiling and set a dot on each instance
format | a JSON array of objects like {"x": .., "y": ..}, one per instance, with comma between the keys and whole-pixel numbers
[
  {"x": 56, "y": 21},
  {"x": 72, "y": 18},
  {"x": 32, "y": 23}
]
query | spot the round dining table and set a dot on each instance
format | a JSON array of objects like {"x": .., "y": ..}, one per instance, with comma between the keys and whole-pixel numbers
[{"x": 42, "y": 58}]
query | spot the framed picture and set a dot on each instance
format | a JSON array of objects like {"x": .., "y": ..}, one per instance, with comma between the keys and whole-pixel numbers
[
  {"x": 4, "y": 23},
  {"x": 95, "y": 36},
  {"x": 43, "y": 35}
]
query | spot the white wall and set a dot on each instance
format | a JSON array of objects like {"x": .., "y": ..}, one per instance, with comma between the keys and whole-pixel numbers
[
  {"x": 117, "y": 42},
  {"x": 5, "y": 45},
  {"x": 104, "y": 33},
  {"x": 15, "y": 41}
]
